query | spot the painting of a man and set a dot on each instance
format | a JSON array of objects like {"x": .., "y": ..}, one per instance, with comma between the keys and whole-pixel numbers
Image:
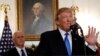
[
  {"x": 40, "y": 22},
  {"x": 38, "y": 17}
]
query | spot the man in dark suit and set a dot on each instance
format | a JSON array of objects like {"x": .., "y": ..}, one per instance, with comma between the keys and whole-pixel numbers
[
  {"x": 52, "y": 43},
  {"x": 19, "y": 50}
]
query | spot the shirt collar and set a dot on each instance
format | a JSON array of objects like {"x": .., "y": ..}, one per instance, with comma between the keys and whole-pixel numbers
[
  {"x": 62, "y": 32},
  {"x": 19, "y": 49}
]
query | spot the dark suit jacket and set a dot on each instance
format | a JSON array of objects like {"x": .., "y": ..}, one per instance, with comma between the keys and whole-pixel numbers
[
  {"x": 14, "y": 52},
  {"x": 52, "y": 44}
]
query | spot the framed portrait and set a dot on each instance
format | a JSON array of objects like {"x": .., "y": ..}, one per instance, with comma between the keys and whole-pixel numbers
[{"x": 36, "y": 17}]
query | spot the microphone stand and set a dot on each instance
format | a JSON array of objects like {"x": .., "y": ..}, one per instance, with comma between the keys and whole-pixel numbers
[
  {"x": 75, "y": 28},
  {"x": 81, "y": 32},
  {"x": 82, "y": 35}
]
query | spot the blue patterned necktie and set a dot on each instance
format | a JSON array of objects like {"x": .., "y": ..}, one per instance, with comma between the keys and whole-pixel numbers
[
  {"x": 22, "y": 52},
  {"x": 67, "y": 44}
]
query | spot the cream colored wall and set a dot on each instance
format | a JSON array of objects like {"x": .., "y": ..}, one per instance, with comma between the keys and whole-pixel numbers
[
  {"x": 12, "y": 16},
  {"x": 89, "y": 14}
]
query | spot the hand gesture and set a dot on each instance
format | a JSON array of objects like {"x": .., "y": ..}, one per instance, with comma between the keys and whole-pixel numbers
[{"x": 91, "y": 38}]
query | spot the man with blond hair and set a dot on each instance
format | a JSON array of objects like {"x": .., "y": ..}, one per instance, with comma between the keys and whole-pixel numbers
[{"x": 64, "y": 42}]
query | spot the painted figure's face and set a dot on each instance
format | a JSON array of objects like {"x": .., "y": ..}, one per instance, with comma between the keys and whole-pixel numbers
[{"x": 37, "y": 9}]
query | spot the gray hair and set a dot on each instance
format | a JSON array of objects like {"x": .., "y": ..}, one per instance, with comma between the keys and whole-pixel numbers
[
  {"x": 38, "y": 4},
  {"x": 13, "y": 36}
]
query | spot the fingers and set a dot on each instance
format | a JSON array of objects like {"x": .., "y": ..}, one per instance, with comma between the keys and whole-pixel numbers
[
  {"x": 91, "y": 38},
  {"x": 97, "y": 34},
  {"x": 92, "y": 32},
  {"x": 88, "y": 30}
]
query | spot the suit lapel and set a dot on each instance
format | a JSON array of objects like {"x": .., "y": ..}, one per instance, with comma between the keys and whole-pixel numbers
[
  {"x": 61, "y": 42},
  {"x": 75, "y": 44},
  {"x": 74, "y": 39},
  {"x": 15, "y": 52},
  {"x": 27, "y": 52}
]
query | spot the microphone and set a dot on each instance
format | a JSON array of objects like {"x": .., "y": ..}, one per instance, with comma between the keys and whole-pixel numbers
[{"x": 76, "y": 27}]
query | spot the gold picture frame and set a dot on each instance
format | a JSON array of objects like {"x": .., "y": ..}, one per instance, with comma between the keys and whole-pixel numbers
[{"x": 20, "y": 12}]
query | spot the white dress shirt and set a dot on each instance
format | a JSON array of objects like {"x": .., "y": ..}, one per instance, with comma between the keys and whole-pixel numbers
[
  {"x": 19, "y": 50},
  {"x": 62, "y": 32},
  {"x": 69, "y": 36}
]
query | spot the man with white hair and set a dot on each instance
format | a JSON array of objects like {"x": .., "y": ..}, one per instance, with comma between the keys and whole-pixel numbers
[
  {"x": 19, "y": 50},
  {"x": 40, "y": 22},
  {"x": 37, "y": 9}
]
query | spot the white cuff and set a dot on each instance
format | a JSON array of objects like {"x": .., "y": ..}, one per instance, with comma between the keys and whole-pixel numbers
[{"x": 92, "y": 47}]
